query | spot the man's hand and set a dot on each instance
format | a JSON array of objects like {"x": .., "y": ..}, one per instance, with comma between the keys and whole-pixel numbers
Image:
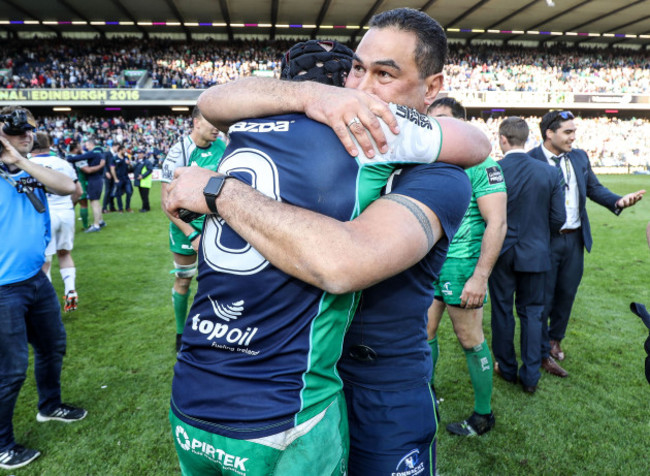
[
  {"x": 473, "y": 293},
  {"x": 339, "y": 107},
  {"x": 186, "y": 190},
  {"x": 10, "y": 155},
  {"x": 630, "y": 199}
]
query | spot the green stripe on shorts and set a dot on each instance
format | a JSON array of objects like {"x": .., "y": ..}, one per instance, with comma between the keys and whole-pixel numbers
[{"x": 318, "y": 446}]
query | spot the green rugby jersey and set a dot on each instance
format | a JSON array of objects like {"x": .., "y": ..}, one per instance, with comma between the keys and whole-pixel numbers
[
  {"x": 486, "y": 178},
  {"x": 185, "y": 153}
]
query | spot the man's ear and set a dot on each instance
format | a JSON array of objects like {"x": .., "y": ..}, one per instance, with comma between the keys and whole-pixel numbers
[{"x": 433, "y": 86}]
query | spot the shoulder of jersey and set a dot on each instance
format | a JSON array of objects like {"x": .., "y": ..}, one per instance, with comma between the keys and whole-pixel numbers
[{"x": 174, "y": 151}]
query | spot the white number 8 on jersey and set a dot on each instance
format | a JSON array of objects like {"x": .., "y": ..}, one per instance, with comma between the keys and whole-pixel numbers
[{"x": 264, "y": 178}]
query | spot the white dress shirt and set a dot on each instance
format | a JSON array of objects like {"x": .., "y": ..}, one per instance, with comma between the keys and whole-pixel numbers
[{"x": 571, "y": 190}]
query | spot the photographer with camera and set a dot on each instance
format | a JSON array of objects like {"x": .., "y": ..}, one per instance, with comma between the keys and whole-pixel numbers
[{"x": 29, "y": 308}]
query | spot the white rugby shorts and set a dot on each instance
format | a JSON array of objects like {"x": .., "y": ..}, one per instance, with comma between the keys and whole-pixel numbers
[{"x": 62, "y": 231}]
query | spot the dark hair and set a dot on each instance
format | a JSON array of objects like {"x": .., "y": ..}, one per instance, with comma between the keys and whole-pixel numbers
[
  {"x": 515, "y": 130},
  {"x": 431, "y": 47},
  {"x": 457, "y": 109},
  {"x": 196, "y": 112},
  {"x": 553, "y": 120},
  {"x": 42, "y": 141},
  {"x": 327, "y": 62}
]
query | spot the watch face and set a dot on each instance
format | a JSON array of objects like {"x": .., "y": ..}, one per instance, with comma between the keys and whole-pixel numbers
[
  {"x": 211, "y": 192},
  {"x": 213, "y": 186}
]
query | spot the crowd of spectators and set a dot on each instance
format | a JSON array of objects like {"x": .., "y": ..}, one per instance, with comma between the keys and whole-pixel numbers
[
  {"x": 63, "y": 63},
  {"x": 101, "y": 63},
  {"x": 609, "y": 141},
  {"x": 554, "y": 69},
  {"x": 155, "y": 134}
]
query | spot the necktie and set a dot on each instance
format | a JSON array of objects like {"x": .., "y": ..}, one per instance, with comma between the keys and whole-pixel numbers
[
  {"x": 556, "y": 159},
  {"x": 566, "y": 173},
  {"x": 567, "y": 168}
]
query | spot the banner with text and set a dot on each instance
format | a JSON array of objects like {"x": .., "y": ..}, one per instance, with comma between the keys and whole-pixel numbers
[{"x": 188, "y": 97}]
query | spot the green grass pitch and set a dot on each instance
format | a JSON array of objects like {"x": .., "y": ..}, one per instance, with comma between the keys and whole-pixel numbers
[{"x": 121, "y": 354}]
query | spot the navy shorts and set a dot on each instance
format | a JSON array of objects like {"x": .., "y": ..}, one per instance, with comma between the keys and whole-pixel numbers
[
  {"x": 391, "y": 432},
  {"x": 94, "y": 188}
]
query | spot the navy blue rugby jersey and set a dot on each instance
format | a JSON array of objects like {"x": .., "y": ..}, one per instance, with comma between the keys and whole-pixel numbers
[
  {"x": 392, "y": 315},
  {"x": 259, "y": 347}
]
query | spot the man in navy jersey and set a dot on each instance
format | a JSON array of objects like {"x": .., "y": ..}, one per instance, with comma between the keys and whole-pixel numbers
[
  {"x": 391, "y": 235},
  {"x": 92, "y": 165},
  {"x": 120, "y": 177}
]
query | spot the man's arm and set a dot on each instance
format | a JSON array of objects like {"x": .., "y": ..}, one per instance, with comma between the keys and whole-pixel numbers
[
  {"x": 54, "y": 182},
  {"x": 225, "y": 104},
  {"x": 463, "y": 144},
  {"x": 630, "y": 199},
  {"x": 79, "y": 157},
  {"x": 493, "y": 208},
  {"x": 391, "y": 235},
  {"x": 602, "y": 195},
  {"x": 91, "y": 169},
  {"x": 77, "y": 193},
  {"x": 114, "y": 174}
]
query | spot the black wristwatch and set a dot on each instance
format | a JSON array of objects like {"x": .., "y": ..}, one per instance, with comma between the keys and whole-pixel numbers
[{"x": 212, "y": 191}]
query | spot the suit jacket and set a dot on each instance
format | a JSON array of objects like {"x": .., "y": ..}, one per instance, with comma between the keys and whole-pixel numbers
[
  {"x": 535, "y": 210},
  {"x": 588, "y": 186}
]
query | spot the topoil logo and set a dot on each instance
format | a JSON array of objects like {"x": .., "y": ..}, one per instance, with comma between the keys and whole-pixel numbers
[
  {"x": 227, "y": 461},
  {"x": 278, "y": 126},
  {"x": 216, "y": 330}
]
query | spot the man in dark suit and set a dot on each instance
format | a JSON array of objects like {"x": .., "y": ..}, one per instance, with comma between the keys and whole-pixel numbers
[
  {"x": 567, "y": 247},
  {"x": 535, "y": 210}
]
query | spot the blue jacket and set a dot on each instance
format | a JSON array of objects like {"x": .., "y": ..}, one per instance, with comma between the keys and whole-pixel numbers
[
  {"x": 535, "y": 210},
  {"x": 588, "y": 186}
]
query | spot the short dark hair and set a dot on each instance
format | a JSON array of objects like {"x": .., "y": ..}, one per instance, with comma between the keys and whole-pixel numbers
[
  {"x": 431, "y": 46},
  {"x": 42, "y": 141},
  {"x": 553, "y": 120},
  {"x": 457, "y": 109},
  {"x": 196, "y": 113},
  {"x": 515, "y": 130}
]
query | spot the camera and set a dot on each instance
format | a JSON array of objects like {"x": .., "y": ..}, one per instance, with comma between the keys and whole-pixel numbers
[{"x": 16, "y": 123}]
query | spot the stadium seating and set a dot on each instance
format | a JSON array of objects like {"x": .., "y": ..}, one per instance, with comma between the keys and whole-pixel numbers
[{"x": 67, "y": 63}]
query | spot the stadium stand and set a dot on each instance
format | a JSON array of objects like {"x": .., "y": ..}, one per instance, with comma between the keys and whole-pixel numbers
[{"x": 67, "y": 63}]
